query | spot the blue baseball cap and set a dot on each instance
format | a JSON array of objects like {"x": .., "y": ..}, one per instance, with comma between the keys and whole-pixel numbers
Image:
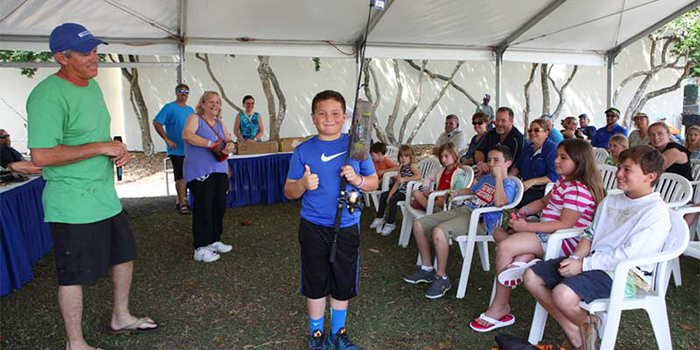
[{"x": 74, "y": 37}]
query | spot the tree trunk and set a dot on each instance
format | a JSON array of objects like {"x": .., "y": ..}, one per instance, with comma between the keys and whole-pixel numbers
[
  {"x": 369, "y": 74},
  {"x": 222, "y": 92},
  {"x": 269, "y": 81},
  {"x": 139, "y": 104},
  {"x": 632, "y": 106},
  {"x": 397, "y": 104},
  {"x": 435, "y": 101},
  {"x": 414, "y": 107},
  {"x": 544, "y": 81},
  {"x": 526, "y": 113}
]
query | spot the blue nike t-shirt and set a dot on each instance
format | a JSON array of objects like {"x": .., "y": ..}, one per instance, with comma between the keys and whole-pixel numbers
[
  {"x": 174, "y": 118},
  {"x": 325, "y": 159}
]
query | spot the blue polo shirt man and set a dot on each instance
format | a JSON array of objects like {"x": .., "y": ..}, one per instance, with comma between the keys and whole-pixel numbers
[
  {"x": 603, "y": 135},
  {"x": 173, "y": 117}
]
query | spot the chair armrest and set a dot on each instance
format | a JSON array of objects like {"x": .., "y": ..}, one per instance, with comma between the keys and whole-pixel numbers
[
  {"x": 688, "y": 209},
  {"x": 459, "y": 199},
  {"x": 386, "y": 180},
  {"x": 409, "y": 190},
  {"x": 476, "y": 215},
  {"x": 554, "y": 242},
  {"x": 431, "y": 201}
]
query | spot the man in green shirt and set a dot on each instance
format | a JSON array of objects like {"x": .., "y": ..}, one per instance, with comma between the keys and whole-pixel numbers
[{"x": 69, "y": 137}]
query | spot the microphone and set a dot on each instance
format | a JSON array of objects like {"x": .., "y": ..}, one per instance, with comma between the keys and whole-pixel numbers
[{"x": 119, "y": 169}]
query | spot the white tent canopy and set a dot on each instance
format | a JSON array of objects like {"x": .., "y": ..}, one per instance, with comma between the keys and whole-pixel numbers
[{"x": 550, "y": 31}]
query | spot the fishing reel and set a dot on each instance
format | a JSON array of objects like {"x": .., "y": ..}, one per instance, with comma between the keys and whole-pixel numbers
[{"x": 351, "y": 200}]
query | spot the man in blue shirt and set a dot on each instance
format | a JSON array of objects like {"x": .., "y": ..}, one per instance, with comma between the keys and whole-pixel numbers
[
  {"x": 602, "y": 135},
  {"x": 174, "y": 116},
  {"x": 315, "y": 172},
  {"x": 554, "y": 134}
]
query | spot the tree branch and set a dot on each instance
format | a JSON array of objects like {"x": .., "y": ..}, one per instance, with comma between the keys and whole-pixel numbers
[
  {"x": 526, "y": 113},
  {"x": 368, "y": 72},
  {"x": 205, "y": 59},
  {"x": 444, "y": 78},
  {"x": 414, "y": 107},
  {"x": 397, "y": 104}
]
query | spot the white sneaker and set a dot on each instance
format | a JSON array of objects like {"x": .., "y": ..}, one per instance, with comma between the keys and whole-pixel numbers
[
  {"x": 219, "y": 247},
  {"x": 387, "y": 229},
  {"x": 205, "y": 254},
  {"x": 377, "y": 223}
]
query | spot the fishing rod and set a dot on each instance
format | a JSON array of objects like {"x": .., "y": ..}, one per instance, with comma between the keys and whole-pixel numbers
[{"x": 358, "y": 140}]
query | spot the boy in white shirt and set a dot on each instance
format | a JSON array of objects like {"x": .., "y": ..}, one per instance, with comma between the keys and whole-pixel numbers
[{"x": 627, "y": 225}]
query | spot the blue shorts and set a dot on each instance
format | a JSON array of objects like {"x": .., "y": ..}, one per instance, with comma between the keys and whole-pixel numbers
[{"x": 589, "y": 285}]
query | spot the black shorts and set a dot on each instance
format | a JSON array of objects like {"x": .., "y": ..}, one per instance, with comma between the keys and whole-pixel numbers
[
  {"x": 589, "y": 285},
  {"x": 178, "y": 162},
  {"x": 320, "y": 278},
  {"x": 84, "y": 252}
]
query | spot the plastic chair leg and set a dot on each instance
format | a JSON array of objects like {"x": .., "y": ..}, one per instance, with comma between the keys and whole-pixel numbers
[
  {"x": 609, "y": 332},
  {"x": 539, "y": 321},
  {"x": 467, "y": 253},
  {"x": 493, "y": 290},
  {"x": 484, "y": 255},
  {"x": 659, "y": 322},
  {"x": 406, "y": 228},
  {"x": 676, "y": 266}
]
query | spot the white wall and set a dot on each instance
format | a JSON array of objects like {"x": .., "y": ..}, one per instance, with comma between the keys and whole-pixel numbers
[{"x": 300, "y": 82}]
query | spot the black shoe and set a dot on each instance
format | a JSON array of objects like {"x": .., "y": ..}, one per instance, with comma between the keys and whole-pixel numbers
[
  {"x": 317, "y": 341},
  {"x": 340, "y": 341}
]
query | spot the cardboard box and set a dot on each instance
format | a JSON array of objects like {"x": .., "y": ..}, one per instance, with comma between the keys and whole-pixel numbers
[
  {"x": 288, "y": 144},
  {"x": 257, "y": 147}
]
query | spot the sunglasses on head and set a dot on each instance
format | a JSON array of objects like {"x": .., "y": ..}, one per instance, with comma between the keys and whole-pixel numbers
[
  {"x": 477, "y": 123},
  {"x": 183, "y": 91},
  {"x": 534, "y": 130}
]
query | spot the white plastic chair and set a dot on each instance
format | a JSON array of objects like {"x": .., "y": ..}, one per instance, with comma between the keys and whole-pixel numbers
[
  {"x": 425, "y": 166},
  {"x": 372, "y": 197},
  {"x": 600, "y": 155},
  {"x": 607, "y": 173},
  {"x": 392, "y": 152},
  {"x": 166, "y": 171},
  {"x": 410, "y": 213},
  {"x": 654, "y": 301},
  {"x": 674, "y": 189},
  {"x": 467, "y": 242}
]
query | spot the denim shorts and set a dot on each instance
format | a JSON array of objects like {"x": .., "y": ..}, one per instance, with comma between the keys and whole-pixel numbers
[{"x": 589, "y": 285}]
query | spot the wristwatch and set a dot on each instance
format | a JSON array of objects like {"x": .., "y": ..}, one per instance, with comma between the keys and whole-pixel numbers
[{"x": 575, "y": 257}]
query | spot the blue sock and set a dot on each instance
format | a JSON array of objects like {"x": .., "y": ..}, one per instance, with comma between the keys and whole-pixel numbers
[
  {"x": 337, "y": 320},
  {"x": 316, "y": 325}
]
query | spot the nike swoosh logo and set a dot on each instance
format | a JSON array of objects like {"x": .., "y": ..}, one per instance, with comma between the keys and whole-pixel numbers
[{"x": 325, "y": 158}]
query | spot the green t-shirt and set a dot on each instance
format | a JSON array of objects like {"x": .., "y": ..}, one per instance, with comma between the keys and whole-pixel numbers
[{"x": 60, "y": 113}]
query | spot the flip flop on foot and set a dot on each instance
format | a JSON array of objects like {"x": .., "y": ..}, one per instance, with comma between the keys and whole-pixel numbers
[
  {"x": 136, "y": 327},
  {"x": 513, "y": 275},
  {"x": 504, "y": 321}
]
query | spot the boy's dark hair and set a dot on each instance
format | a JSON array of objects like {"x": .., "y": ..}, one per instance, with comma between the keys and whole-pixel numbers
[
  {"x": 327, "y": 95},
  {"x": 246, "y": 97},
  {"x": 507, "y": 154},
  {"x": 378, "y": 147},
  {"x": 179, "y": 86},
  {"x": 507, "y": 110},
  {"x": 647, "y": 157}
]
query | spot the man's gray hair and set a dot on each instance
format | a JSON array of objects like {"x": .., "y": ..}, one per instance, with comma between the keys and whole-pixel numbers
[
  {"x": 452, "y": 116},
  {"x": 64, "y": 53}
]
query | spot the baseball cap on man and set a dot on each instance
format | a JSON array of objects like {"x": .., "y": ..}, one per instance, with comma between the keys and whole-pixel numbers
[
  {"x": 74, "y": 37},
  {"x": 613, "y": 110}
]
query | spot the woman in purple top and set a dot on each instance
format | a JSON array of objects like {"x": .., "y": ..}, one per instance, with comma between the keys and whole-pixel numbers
[{"x": 206, "y": 177}]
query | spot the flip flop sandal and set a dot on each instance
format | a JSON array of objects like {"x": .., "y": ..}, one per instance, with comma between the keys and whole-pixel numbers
[
  {"x": 184, "y": 209},
  {"x": 513, "y": 276},
  {"x": 504, "y": 321},
  {"x": 134, "y": 327}
]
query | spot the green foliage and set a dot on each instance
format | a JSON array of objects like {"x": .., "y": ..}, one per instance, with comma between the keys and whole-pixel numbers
[
  {"x": 686, "y": 29},
  {"x": 317, "y": 63},
  {"x": 25, "y": 56}
]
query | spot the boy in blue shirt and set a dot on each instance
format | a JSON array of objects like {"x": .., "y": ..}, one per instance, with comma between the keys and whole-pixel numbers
[
  {"x": 315, "y": 171},
  {"x": 493, "y": 189}
]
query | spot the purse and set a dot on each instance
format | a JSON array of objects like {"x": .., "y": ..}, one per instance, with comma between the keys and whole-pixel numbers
[{"x": 217, "y": 148}]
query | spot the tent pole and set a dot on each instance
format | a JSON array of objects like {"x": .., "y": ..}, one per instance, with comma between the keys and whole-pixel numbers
[
  {"x": 499, "y": 76},
  {"x": 181, "y": 44},
  {"x": 181, "y": 66},
  {"x": 610, "y": 65}
]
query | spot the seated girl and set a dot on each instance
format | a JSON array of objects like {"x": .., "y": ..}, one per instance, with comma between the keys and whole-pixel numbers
[
  {"x": 449, "y": 161},
  {"x": 692, "y": 141},
  {"x": 616, "y": 145},
  {"x": 536, "y": 164},
  {"x": 571, "y": 203},
  {"x": 408, "y": 171},
  {"x": 248, "y": 125}
]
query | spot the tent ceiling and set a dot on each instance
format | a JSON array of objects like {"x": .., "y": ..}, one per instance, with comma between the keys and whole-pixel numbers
[{"x": 574, "y": 31}]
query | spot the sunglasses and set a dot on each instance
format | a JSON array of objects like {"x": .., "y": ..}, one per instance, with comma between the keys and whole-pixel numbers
[
  {"x": 536, "y": 130},
  {"x": 183, "y": 91},
  {"x": 4, "y": 136},
  {"x": 477, "y": 123}
]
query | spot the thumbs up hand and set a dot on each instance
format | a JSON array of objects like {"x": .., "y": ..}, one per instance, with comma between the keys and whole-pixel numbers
[{"x": 309, "y": 180}]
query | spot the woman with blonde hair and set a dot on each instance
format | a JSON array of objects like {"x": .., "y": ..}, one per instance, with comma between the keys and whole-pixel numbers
[
  {"x": 207, "y": 143},
  {"x": 692, "y": 141}
]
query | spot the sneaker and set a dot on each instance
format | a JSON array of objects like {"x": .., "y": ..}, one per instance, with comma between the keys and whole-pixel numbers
[
  {"x": 376, "y": 223},
  {"x": 340, "y": 341},
  {"x": 420, "y": 276},
  {"x": 438, "y": 288},
  {"x": 317, "y": 341},
  {"x": 387, "y": 229},
  {"x": 219, "y": 247},
  {"x": 205, "y": 254}
]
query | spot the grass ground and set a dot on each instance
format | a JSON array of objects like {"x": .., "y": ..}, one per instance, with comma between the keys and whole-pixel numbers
[{"x": 250, "y": 298}]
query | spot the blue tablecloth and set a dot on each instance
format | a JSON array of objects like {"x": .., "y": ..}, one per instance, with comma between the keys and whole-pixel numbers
[
  {"x": 24, "y": 236},
  {"x": 258, "y": 179}
]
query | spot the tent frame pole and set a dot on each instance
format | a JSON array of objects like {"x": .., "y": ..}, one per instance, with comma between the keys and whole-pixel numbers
[
  {"x": 499, "y": 76},
  {"x": 610, "y": 78}
]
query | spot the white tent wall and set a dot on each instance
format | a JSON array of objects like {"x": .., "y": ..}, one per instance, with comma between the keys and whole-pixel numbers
[{"x": 300, "y": 82}]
